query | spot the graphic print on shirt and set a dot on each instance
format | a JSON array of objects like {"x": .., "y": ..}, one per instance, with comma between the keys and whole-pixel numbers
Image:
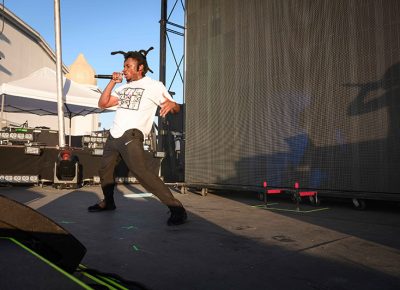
[{"x": 130, "y": 98}]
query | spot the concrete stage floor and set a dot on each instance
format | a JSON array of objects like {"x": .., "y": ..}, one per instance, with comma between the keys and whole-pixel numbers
[{"x": 228, "y": 242}]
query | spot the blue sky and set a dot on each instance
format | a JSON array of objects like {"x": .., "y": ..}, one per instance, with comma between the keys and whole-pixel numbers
[{"x": 98, "y": 27}]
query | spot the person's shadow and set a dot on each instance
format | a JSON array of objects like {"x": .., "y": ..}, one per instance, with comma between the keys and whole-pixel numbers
[{"x": 390, "y": 83}]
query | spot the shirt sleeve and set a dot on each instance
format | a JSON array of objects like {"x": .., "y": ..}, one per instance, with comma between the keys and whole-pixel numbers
[{"x": 164, "y": 94}]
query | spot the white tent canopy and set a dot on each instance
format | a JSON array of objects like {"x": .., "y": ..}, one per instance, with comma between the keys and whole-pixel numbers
[{"x": 37, "y": 94}]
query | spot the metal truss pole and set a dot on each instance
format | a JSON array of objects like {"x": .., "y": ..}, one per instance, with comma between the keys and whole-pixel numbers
[{"x": 162, "y": 73}]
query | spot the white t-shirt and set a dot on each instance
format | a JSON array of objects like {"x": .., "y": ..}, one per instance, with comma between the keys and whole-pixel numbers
[{"x": 138, "y": 101}]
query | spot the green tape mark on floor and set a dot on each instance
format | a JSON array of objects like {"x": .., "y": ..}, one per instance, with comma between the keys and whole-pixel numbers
[
  {"x": 129, "y": 227},
  {"x": 299, "y": 211},
  {"x": 263, "y": 205}
]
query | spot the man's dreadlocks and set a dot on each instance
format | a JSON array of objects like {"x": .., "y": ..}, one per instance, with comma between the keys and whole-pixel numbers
[{"x": 140, "y": 56}]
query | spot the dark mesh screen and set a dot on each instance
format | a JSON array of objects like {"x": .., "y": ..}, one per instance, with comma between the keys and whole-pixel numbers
[{"x": 298, "y": 90}]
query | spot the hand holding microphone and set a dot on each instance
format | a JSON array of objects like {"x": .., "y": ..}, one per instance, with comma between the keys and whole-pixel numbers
[{"x": 117, "y": 77}]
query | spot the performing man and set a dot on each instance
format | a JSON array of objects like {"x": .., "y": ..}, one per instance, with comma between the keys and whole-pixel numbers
[{"x": 137, "y": 102}]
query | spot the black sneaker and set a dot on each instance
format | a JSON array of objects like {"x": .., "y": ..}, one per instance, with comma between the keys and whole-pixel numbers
[
  {"x": 101, "y": 206},
  {"x": 178, "y": 216}
]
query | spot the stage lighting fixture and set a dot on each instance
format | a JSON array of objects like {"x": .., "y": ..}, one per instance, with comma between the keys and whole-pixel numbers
[
  {"x": 96, "y": 140},
  {"x": 97, "y": 152},
  {"x": 129, "y": 179},
  {"x": 86, "y": 139},
  {"x": 66, "y": 165},
  {"x": 67, "y": 170},
  {"x": 32, "y": 150},
  {"x": 17, "y": 137},
  {"x": 19, "y": 178},
  {"x": 29, "y": 136},
  {"x": 119, "y": 180},
  {"x": 159, "y": 154}
]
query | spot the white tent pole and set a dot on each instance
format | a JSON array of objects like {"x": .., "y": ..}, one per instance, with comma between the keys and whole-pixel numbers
[
  {"x": 70, "y": 127},
  {"x": 2, "y": 111},
  {"x": 60, "y": 103}
]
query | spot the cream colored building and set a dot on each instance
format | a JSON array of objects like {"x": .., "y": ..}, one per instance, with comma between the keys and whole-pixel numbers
[{"x": 23, "y": 51}]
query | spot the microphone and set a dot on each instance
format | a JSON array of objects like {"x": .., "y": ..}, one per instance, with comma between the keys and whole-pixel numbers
[{"x": 103, "y": 77}]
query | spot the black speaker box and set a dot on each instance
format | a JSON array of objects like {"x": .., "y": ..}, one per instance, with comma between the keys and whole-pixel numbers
[{"x": 40, "y": 234}]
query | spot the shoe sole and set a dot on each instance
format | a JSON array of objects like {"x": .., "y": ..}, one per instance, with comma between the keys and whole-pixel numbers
[
  {"x": 99, "y": 210},
  {"x": 184, "y": 220}
]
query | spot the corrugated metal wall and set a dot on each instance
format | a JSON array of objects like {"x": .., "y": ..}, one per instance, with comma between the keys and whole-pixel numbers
[{"x": 304, "y": 90}]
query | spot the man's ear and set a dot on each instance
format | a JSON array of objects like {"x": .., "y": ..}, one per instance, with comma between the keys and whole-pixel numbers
[{"x": 141, "y": 67}]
